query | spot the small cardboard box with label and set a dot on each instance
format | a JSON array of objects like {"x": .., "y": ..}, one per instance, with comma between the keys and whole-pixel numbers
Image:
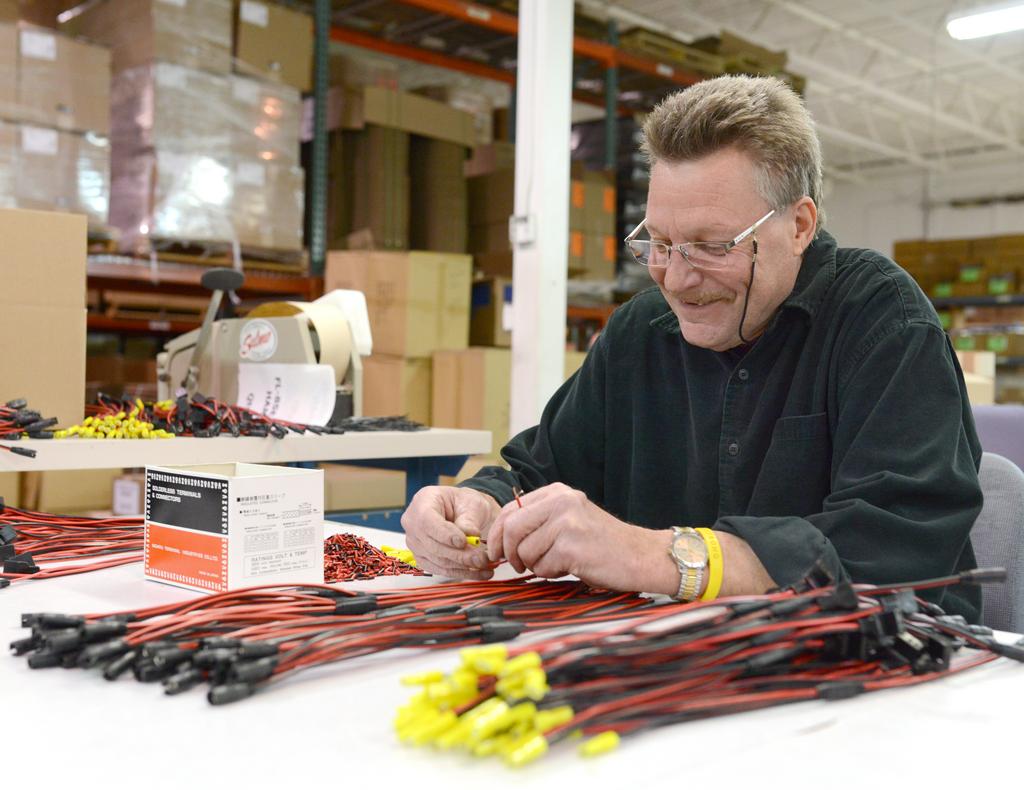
[{"x": 223, "y": 526}]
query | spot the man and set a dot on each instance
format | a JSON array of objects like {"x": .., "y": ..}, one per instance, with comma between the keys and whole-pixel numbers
[{"x": 799, "y": 399}]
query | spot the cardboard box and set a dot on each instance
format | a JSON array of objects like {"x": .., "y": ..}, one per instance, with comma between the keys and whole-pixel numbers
[
  {"x": 408, "y": 113},
  {"x": 981, "y": 363},
  {"x": 438, "y": 218},
  {"x": 347, "y": 71},
  {"x": 69, "y": 492},
  {"x": 1006, "y": 344},
  {"x": 492, "y": 237},
  {"x": 493, "y": 264},
  {"x": 490, "y": 322},
  {"x": 267, "y": 204},
  {"x": 128, "y": 495},
  {"x": 62, "y": 171},
  {"x": 370, "y": 171},
  {"x": 470, "y": 100},
  {"x": 362, "y": 488},
  {"x": 418, "y": 301},
  {"x": 274, "y": 43},
  {"x": 43, "y": 261},
  {"x": 9, "y": 11},
  {"x": 485, "y": 159},
  {"x": 491, "y": 197},
  {"x": 8, "y": 69},
  {"x": 599, "y": 203},
  {"x": 224, "y": 526},
  {"x": 193, "y": 33},
  {"x": 396, "y": 386},
  {"x": 264, "y": 119},
  {"x": 10, "y": 488},
  {"x": 472, "y": 390},
  {"x": 473, "y": 465},
  {"x": 577, "y": 205},
  {"x": 599, "y": 255},
  {"x": 62, "y": 82},
  {"x": 8, "y": 165}
]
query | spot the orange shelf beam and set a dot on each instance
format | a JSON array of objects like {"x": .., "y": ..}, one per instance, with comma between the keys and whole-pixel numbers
[
  {"x": 490, "y": 18},
  {"x": 345, "y": 35}
]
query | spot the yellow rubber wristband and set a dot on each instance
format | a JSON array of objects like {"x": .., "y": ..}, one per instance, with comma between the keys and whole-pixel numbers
[{"x": 714, "y": 563}]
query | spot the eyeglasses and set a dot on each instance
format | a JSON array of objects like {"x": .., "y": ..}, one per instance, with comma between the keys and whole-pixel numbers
[{"x": 699, "y": 254}]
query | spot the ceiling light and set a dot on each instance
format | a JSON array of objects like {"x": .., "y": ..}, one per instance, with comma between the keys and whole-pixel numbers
[{"x": 986, "y": 21}]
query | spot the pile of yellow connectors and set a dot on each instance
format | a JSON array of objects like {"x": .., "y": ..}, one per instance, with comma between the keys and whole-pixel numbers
[
  {"x": 119, "y": 425},
  {"x": 507, "y": 724}
]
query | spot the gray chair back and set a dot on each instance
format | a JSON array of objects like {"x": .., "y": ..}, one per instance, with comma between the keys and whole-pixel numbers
[
  {"x": 998, "y": 539},
  {"x": 1001, "y": 430}
]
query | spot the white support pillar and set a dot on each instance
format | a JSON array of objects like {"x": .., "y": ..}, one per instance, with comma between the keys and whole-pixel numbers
[{"x": 540, "y": 227}]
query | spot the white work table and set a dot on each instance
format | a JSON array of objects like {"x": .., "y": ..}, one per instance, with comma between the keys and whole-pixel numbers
[{"x": 332, "y": 727}]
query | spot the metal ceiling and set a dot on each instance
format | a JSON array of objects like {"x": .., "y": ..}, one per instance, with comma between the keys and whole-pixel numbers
[{"x": 887, "y": 85}]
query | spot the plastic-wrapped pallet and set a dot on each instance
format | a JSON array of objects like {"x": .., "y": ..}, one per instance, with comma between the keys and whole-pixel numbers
[
  {"x": 194, "y": 33},
  {"x": 265, "y": 119},
  {"x": 7, "y": 137}
]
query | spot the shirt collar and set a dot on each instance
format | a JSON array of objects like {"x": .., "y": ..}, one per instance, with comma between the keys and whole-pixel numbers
[{"x": 817, "y": 273}]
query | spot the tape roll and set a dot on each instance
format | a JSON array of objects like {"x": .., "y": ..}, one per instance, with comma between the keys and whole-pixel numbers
[{"x": 331, "y": 328}]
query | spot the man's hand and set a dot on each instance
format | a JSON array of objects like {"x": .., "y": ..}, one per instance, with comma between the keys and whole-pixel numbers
[
  {"x": 436, "y": 524},
  {"x": 558, "y": 531}
]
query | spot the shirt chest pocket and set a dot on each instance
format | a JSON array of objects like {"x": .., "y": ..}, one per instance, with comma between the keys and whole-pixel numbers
[{"x": 796, "y": 474}]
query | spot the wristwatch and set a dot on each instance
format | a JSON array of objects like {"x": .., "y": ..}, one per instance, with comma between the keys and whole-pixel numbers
[{"x": 690, "y": 553}]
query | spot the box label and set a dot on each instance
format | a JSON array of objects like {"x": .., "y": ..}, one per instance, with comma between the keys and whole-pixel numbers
[
  {"x": 183, "y": 557},
  {"x": 39, "y": 141},
  {"x": 247, "y": 91},
  {"x": 38, "y": 45},
  {"x": 255, "y": 13},
  {"x": 190, "y": 501},
  {"x": 127, "y": 497}
]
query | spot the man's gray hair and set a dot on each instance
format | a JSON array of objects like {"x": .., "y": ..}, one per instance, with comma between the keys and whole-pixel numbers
[{"x": 761, "y": 116}]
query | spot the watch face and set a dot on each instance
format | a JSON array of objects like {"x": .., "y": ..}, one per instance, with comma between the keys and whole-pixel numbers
[{"x": 689, "y": 549}]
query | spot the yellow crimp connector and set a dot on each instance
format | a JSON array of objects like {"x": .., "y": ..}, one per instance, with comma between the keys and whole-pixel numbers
[
  {"x": 404, "y": 555},
  {"x": 472, "y": 540},
  {"x": 117, "y": 426},
  {"x": 485, "y": 660},
  {"x": 600, "y": 744},
  {"x": 506, "y": 725},
  {"x": 526, "y": 749}
]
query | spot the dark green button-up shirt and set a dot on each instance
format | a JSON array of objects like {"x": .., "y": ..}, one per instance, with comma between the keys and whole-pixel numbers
[{"x": 842, "y": 438}]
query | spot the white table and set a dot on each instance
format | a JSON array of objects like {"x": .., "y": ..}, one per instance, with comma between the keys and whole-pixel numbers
[{"x": 331, "y": 728}]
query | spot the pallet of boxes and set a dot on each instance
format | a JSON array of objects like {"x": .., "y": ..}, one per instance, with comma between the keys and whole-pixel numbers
[
  {"x": 54, "y": 121},
  {"x": 205, "y": 118}
]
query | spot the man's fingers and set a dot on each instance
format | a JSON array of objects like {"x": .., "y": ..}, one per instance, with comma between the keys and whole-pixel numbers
[
  {"x": 520, "y": 523},
  {"x": 536, "y": 551},
  {"x": 454, "y": 571},
  {"x": 467, "y": 557}
]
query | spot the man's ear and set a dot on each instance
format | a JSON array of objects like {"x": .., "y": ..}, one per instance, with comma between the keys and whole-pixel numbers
[{"x": 805, "y": 225}]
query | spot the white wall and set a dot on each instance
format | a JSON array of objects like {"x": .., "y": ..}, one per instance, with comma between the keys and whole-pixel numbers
[{"x": 915, "y": 206}]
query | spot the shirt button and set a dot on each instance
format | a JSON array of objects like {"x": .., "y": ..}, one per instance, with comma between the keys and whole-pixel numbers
[
  {"x": 734, "y": 449},
  {"x": 743, "y": 374}
]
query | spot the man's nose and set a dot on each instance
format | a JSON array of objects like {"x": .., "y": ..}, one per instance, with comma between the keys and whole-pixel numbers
[{"x": 680, "y": 275}]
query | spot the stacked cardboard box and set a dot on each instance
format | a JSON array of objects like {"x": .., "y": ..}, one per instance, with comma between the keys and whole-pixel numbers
[
  {"x": 418, "y": 303},
  {"x": 396, "y": 169},
  {"x": 592, "y": 247},
  {"x": 990, "y": 266},
  {"x": 201, "y": 154},
  {"x": 42, "y": 311},
  {"x": 472, "y": 390},
  {"x": 54, "y": 121}
]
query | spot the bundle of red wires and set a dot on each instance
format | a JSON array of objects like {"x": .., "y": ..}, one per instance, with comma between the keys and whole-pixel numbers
[
  {"x": 239, "y": 641},
  {"x": 37, "y": 545}
]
